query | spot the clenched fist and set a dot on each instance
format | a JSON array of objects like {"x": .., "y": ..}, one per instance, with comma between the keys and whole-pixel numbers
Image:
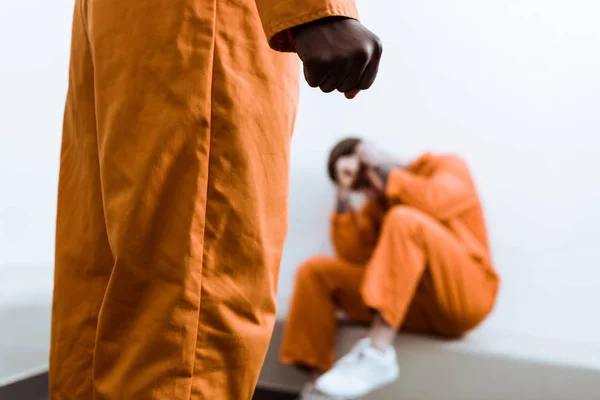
[{"x": 338, "y": 54}]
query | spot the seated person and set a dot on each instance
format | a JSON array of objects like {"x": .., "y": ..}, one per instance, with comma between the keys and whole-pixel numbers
[{"x": 415, "y": 257}]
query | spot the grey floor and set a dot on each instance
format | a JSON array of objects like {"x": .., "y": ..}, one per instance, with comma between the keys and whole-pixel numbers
[{"x": 36, "y": 388}]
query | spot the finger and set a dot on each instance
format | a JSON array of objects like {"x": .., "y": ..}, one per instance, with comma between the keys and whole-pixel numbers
[
  {"x": 359, "y": 151},
  {"x": 369, "y": 76},
  {"x": 349, "y": 85},
  {"x": 315, "y": 73},
  {"x": 352, "y": 79},
  {"x": 370, "y": 73},
  {"x": 333, "y": 81},
  {"x": 352, "y": 94},
  {"x": 363, "y": 158},
  {"x": 330, "y": 84},
  {"x": 338, "y": 71}
]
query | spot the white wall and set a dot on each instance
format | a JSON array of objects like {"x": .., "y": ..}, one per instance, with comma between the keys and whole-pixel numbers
[
  {"x": 34, "y": 57},
  {"x": 514, "y": 86}
]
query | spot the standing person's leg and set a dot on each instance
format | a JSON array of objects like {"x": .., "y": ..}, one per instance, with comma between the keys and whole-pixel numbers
[
  {"x": 254, "y": 97},
  {"x": 172, "y": 202},
  {"x": 418, "y": 264}
]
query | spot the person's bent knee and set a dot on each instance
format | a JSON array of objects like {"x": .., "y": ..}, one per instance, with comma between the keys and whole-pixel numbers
[
  {"x": 465, "y": 321},
  {"x": 404, "y": 217},
  {"x": 312, "y": 268}
]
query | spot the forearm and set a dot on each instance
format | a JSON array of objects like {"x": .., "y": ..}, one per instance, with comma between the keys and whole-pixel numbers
[{"x": 442, "y": 195}]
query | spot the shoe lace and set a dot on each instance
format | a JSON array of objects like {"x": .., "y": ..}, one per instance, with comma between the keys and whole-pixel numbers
[{"x": 353, "y": 357}]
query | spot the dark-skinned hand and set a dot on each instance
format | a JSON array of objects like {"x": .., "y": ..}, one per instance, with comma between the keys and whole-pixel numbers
[{"x": 338, "y": 54}]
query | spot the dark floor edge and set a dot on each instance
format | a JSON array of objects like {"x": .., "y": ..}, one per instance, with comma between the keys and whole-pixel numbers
[
  {"x": 265, "y": 394},
  {"x": 36, "y": 388}
]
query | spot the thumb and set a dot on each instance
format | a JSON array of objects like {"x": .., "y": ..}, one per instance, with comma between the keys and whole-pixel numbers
[{"x": 352, "y": 94}]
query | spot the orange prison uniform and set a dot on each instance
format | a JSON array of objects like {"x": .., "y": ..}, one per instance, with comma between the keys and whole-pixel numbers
[
  {"x": 173, "y": 194},
  {"x": 422, "y": 261}
]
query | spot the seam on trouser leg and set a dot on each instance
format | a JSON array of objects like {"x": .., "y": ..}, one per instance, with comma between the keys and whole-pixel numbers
[
  {"x": 208, "y": 180},
  {"x": 84, "y": 16},
  {"x": 83, "y": 7}
]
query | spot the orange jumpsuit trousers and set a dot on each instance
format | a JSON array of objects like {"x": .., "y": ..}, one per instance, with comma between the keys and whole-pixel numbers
[
  {"x": 423, "y": 265},
  {"x": 173, "y": 193}
]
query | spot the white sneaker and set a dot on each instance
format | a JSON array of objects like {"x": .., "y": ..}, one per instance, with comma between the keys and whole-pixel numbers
[
  {"x": 311, "y": 393},
  {"x": 360, "y": 372}
]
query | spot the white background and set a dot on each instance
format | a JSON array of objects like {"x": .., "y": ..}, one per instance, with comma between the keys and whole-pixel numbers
[{"x": 513, "y": 86}]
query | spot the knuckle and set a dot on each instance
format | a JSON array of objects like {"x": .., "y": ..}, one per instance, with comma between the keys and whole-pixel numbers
[
  {"x": 326, "y": 60},
  {"x": 378, "y": 44},
  {"x": 365, "y": 84},
  {"x": 316, "y": 62},
  {"x": 362, "y": 54}
]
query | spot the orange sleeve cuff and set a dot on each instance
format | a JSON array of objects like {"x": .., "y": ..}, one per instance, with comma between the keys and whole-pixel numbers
[
  {"x": 283, "y": 41},
  {"x": 278, "y": 16}
]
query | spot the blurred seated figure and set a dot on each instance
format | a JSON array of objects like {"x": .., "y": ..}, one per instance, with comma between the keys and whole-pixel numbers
[{"x": 414, "y": 257}]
